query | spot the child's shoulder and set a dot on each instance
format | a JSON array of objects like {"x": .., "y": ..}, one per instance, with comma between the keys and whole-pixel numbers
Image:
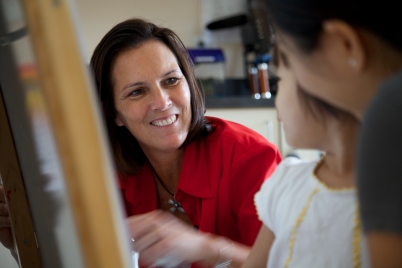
[
  {"x": 293, "y": 165},
  {"x": 289, "y": 183},
  {"x": 290, "y": 173}
]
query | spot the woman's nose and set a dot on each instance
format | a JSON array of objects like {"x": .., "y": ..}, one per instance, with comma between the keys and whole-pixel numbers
[{"x": 160, "y": 99}]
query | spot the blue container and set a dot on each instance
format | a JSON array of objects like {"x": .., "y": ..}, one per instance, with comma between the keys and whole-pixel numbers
[{"x": 206, "y": 55}]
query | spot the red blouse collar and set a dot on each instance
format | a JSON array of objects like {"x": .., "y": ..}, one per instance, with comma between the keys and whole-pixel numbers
[{"x": 194, "y": 177}]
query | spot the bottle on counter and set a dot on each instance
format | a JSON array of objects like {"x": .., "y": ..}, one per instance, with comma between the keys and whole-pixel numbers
[
  {"x": 264, "y": 81},
  {"x": 253, "y": 83}
]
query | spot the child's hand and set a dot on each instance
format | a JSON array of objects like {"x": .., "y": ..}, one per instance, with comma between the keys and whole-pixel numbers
[{"x": 5, "y": 225}]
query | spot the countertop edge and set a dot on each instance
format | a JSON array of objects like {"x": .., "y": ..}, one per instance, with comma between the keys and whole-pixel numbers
[{"x": 238, "y": 102}]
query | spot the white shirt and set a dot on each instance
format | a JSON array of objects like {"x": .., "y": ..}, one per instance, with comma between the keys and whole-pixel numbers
[{"x": 325, "y": 234}]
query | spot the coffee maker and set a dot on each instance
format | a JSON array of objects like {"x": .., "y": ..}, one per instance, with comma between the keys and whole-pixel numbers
[{"x": 257, "y": 39}]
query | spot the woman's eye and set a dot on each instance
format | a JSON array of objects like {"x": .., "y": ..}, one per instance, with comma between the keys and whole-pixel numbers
[
  {"x": 136, "y": 92},
  {"x": 171, "y": 81}
]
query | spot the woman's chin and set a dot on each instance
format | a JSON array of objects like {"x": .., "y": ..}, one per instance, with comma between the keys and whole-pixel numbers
[{"x": 171, "y": 144}]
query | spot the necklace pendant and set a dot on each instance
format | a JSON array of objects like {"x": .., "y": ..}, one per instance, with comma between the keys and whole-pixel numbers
[{"x": 175, "y": 206}]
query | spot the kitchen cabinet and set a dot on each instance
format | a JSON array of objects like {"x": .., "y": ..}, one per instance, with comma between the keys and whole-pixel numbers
[{"x": 262, "y": 120}]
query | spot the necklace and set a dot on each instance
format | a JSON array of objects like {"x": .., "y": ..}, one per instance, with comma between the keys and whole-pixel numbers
[{"x": 175, "y": 204}]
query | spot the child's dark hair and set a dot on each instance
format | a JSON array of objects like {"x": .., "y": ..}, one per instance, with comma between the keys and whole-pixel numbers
[{"x": 303, "y": 19}]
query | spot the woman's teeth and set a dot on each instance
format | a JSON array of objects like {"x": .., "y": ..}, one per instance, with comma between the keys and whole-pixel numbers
[{"x": 165, "y": 122}]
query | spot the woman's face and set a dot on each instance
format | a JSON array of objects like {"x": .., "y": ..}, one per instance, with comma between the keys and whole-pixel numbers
[
  {"x": 302, "y": 129},
  {"x": 325, "y": 73},
  {"x": 152, "y": 97}
]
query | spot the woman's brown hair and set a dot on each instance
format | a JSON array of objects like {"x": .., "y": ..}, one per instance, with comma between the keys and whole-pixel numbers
[{"x": 129, "y": 34}]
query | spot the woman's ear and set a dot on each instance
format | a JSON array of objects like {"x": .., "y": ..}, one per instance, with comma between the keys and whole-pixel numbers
[{"x": 349, "y": 44}]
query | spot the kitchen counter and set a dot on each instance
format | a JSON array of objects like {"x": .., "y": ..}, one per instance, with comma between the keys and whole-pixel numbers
[
  {"x": 238, "y": 102},
  {"x": 234, "y": 93}
]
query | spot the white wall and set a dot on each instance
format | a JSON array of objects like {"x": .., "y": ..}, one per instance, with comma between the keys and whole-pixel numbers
[{"x": 96, "y": 17}]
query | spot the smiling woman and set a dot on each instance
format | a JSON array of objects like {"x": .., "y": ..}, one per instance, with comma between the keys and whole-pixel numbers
[
  {"x": 170, "y": 157},
  {"x": 153, "y": 102}
]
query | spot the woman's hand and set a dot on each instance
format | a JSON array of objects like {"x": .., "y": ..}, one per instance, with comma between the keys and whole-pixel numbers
[
  {"x": 5, "y": 225},
  {"x": 162, "y": 239}
]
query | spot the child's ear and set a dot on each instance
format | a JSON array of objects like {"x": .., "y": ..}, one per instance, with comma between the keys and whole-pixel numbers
[
  {"x": 349, "y": 44},
  {"x": 118, "y": 122}
]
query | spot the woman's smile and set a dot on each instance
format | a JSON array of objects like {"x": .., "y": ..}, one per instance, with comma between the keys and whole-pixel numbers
[{"x": 165, "y": 121}]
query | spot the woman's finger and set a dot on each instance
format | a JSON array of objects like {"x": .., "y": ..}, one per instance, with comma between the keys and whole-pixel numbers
[
  {"x": 152, "y": 247},
  {"x": 158, "y": 234},
  {"x": 146, "y": 223},
  {"x": 146, "y": 236},
  {"x": 139, "y": 225},
  {"x": 180, "y": 244},
  {"x": 152, "y": 252},
  {"x": 145, "y": 241}
]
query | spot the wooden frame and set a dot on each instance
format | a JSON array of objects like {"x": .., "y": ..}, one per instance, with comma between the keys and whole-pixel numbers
[
  {"x": 24, "y": 235},
  {"x": 61, "y": 78}
]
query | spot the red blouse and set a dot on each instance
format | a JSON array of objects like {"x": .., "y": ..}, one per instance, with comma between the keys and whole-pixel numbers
[{"x": 220, "y": 175}]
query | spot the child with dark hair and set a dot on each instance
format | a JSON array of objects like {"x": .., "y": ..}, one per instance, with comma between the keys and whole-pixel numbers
[
  {"x": 349, "y": 53},
  {"x": 309, "y": 210}
]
